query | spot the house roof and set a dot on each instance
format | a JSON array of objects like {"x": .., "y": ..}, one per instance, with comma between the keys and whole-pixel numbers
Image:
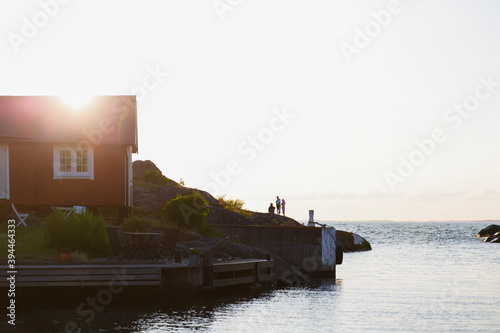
[{"x": 104, "y": 120}]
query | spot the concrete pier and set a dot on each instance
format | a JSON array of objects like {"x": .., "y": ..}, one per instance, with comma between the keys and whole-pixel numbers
[
  {"x": 311, "y": 249},
  {"x": 328, "y": 257}
]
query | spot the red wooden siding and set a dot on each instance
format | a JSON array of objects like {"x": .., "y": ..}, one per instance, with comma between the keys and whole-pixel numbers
[{"x": 32, "y": 180}]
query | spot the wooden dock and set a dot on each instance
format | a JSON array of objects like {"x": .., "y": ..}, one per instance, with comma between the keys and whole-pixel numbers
[
  {"x": 88, "y": 275},
  {"x": 150, "y": 274},
  {"x": 242, "y": 272}
]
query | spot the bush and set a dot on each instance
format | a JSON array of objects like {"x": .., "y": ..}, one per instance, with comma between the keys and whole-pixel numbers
[
  {"x": 188, "y": 212},
  {"x": 84, "y": 232},
  {"x": 57, "y": 231},
  {"x": 235, "y": 205},
  {"x": 138, "y": 224}
]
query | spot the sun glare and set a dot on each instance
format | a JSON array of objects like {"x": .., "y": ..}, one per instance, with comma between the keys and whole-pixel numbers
[{"x": 76, "y": 101}]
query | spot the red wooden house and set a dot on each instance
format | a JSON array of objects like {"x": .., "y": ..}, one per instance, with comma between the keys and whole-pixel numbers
[{"x": 54, "y": 155}]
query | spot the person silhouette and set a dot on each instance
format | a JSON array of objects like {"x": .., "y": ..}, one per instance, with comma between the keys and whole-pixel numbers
[
  {"x": 283, "y": 203},
  {"x": 271, "y": 208},
  {"x": 278, "y": 204}
]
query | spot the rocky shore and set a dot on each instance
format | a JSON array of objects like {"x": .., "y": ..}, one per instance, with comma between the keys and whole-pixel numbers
[{"x": 149, "y": 199}]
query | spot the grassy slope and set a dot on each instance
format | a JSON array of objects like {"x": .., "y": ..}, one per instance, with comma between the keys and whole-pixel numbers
[{"x": 30, "y": 244}]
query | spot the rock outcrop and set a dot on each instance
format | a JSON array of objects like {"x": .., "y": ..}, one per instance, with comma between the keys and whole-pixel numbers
[
  {"x": 219, "y": 215},
  {"x": 272, "y": 219},
  {"x": 491, "y": 233},
  {"x": 153, "y": 197},
  {"x": 493, "y": 239},
  {"x": 352, "y": 242}
]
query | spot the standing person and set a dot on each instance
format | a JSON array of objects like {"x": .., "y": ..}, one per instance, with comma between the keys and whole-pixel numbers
[
  {"x": 271, "y": 208},
  {"x": 278, "y": 205},
  {"x": 283, "y": 203}
]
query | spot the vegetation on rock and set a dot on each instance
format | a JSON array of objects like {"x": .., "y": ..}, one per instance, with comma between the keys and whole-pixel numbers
[
  {"x": 188, "y": 212},
  {"x": 235, "y": 205}
]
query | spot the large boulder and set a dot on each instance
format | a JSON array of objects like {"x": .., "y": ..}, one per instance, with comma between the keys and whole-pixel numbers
[
  {"x": 140, "y": 167},
  {"x": 217, "y": 215},
  {"x": 272, "y": 219},
  {"x": 153, "y": 197},
  {"x": 490, "y": 230},
  {"x": 352, "y": 242},
  {"x": 493, "y": 238},
  {"x": 221, "y": 216}
]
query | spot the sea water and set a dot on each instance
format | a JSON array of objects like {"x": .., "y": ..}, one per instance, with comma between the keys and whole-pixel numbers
[{"x": 419, "y": 277}]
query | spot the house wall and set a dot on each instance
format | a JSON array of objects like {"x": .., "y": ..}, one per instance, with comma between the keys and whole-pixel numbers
[
  {"x": 4, "y": 171},
  {"x": 32, "y": 180}
]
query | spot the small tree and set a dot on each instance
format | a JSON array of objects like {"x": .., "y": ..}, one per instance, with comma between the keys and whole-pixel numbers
[{"x": 188, "y": 212}]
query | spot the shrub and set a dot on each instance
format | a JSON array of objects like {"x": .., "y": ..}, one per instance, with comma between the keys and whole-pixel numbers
[
  {"x": 84, "y": 232},
  {"x": 188, "y": 212},
  {"x": 231, "y": 204},
  {"x": 57, "y": 231},
  {"x": 235, "y": 205},
  {"x": 138, "y": 224}
]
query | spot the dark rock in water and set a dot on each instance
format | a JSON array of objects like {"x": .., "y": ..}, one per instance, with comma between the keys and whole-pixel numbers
[
  {"x": 491, "y": 238},
  {"x": 352, "y": 242},
  {"x": 488, "y": 231}
]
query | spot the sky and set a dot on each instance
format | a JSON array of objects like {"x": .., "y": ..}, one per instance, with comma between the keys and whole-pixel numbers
[{"x": 358, "y": 110}]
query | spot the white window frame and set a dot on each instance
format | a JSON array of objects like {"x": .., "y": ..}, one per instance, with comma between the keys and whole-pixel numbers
[{"x": 58, "y": 174}]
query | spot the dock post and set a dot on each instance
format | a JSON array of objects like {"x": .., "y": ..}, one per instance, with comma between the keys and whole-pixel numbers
[
  {"x": 328, "y": 255},
  {"x": 311, "y": 219},
  {"x": 208, "y": 269}
]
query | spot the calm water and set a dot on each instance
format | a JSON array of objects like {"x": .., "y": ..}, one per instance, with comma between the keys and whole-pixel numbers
[{"x": 420, "y": 277}]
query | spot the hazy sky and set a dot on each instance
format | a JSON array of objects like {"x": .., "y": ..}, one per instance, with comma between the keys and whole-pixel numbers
[{"x": 360, "y": 110}]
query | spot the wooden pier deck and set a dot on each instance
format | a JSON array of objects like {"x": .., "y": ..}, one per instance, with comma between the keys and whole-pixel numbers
[
  {"x": 152, "y": 274},
  {"x": 242, "y": 272},
  {"x": 83, "y": 275}
]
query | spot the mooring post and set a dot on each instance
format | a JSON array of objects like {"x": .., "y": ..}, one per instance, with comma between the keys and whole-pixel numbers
[
  {"x": 208, "y": 269},
  {"x": 311, "y": 219}
]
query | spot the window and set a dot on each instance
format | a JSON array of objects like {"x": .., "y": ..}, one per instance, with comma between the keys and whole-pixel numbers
[{"x": 73, "y": 162}]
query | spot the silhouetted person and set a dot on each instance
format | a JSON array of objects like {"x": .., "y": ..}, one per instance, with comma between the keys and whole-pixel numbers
[
  {"x": 278, "y": 205},
  {"x": 283, "y": 203},
  {"x": 271, "y": 208}
]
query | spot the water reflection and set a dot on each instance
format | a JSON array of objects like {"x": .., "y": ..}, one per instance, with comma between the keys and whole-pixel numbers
[
  {"x": 230, "y": 312},
  {"x": 419, "y": 277}
]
